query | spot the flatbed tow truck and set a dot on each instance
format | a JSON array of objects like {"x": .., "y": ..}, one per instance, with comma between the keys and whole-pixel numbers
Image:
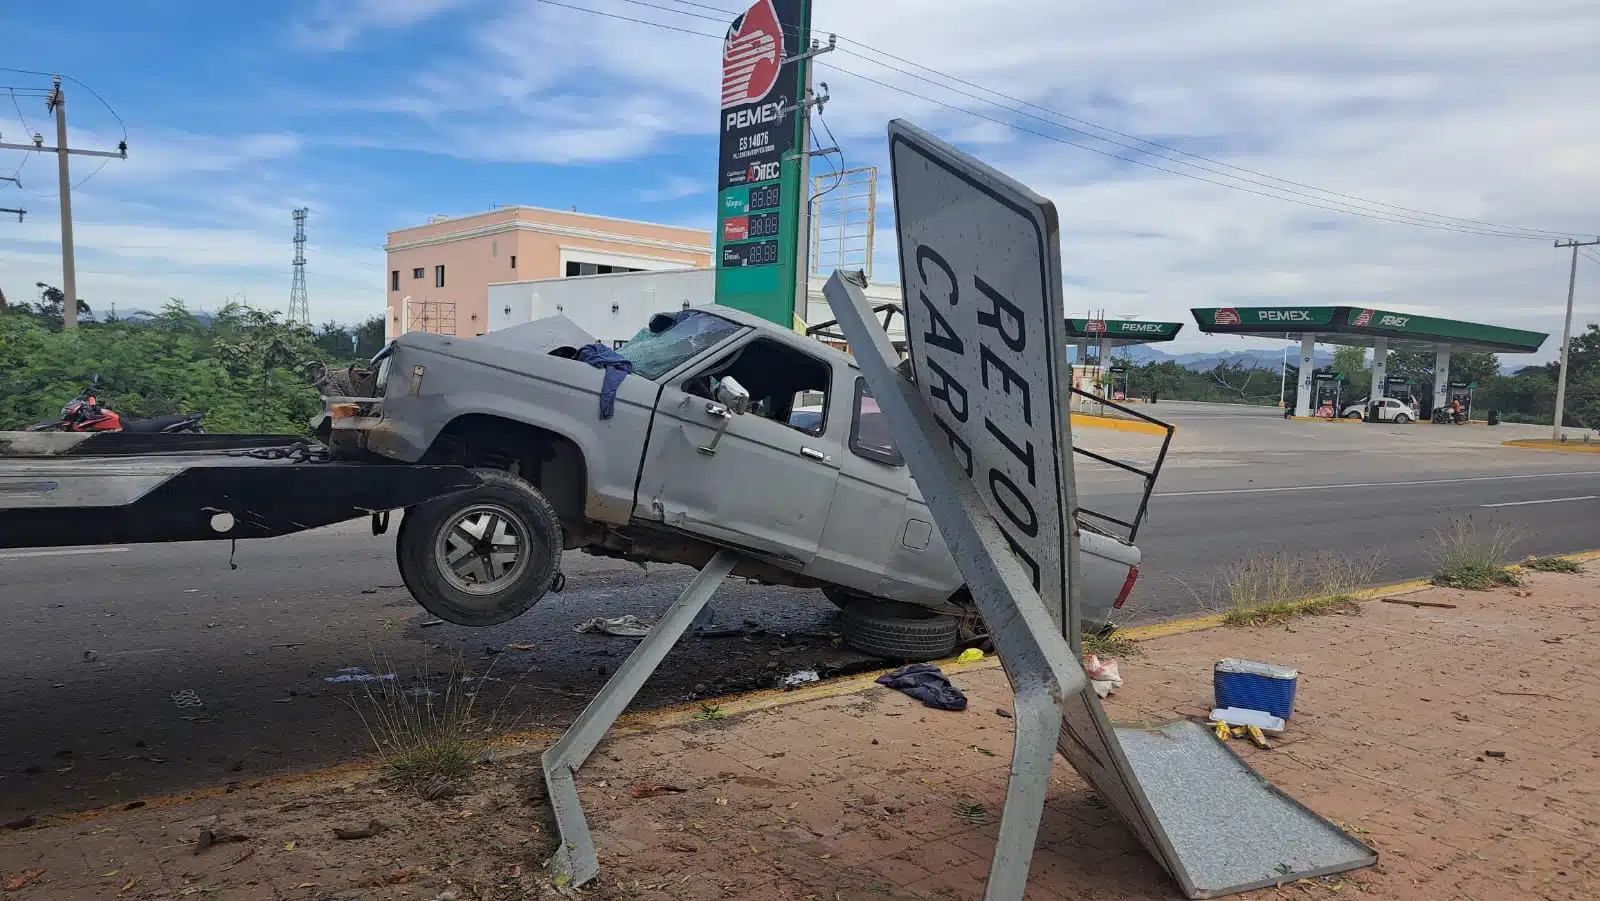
[{"x": 63, "y": 489}]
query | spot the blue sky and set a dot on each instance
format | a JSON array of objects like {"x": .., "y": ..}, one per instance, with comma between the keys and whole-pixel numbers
[{"x": 379, "y": 114}]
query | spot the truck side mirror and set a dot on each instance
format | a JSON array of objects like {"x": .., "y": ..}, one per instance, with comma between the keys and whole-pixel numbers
[{"x": 733, "y": 395}]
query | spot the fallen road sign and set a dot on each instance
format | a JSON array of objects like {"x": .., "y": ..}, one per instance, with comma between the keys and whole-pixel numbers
[{"x": 985, "y": 430}]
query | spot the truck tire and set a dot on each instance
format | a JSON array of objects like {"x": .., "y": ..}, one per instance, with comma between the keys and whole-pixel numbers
[
  {"x": 898, "y": 632},
  {"x": 484, "y": 556}
]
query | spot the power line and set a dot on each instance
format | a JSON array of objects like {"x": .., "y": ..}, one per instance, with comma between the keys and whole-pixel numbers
[
  {"x": 1161, "y": 150},
  {"x": 46, "y": 94},
  {"x": 1358, "y": 206}
]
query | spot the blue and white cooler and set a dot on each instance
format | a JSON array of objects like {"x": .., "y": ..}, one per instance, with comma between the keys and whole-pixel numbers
[{"x": 1255, "y": 686}]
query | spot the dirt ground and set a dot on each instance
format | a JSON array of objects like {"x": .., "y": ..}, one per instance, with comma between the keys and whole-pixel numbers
[{"x": 1459, "y": 742}]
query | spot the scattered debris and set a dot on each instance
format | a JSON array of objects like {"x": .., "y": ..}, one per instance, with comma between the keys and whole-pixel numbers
[
  {"x": 450, "y": 894},
  {"x": 628, "y": 626},
  {"x": 1001, "y": 711},
  {"x": 357, "y": 674},
  {"x": 187, "y": 699},
  {"x": 1241, "y": 716},
  {"x": 372, "y": 828},
  {"x": 971, "y": 812},
  {"x": 651, "y": 790},
  {"x": 709, "y": 712},
  {"x": 927, "y": 683},
  {"x": 209, "y": 837},
  {"x": 1410, "y": 603},
  {"x": 1104, "y": 676},
  {"x": 520, "y": 646},
  {"x": 21, "y": 880},
  {"x": 800, "y": 677},
  {"x": 1495, "y": 754},
  {"x": 26, "y": 822},
  {"x": 90, "y": 656},
  {"x": 133, "y": 805},
  {"x": 431, "y": 622},
  {"x": 969, "y": 655}
]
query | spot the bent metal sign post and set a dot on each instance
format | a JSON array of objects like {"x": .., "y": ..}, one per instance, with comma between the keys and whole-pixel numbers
[{"x": 980, "y": 263}]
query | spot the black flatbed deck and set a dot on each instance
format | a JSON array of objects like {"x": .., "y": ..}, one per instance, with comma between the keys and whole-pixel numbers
[{"x": 190, "y": 490}]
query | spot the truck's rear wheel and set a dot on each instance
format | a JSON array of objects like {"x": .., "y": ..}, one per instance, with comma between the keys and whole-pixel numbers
[
  {"x": 483, "y": 556},
  {"x": 898, "y": 631}
]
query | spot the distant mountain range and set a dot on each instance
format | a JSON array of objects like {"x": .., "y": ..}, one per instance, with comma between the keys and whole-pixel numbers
[{"x": 1203, "y": 362}]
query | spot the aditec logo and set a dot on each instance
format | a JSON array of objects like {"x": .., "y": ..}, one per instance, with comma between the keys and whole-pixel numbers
[
  {"x": 752, "y": 55},
  {"x": 1363, "y": 318},
  {"x": 763, "y": 171},
  {"x": 1226, "y": 316}
]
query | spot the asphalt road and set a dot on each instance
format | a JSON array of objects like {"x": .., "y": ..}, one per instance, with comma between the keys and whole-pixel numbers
[{"x": 97, "y": 643}]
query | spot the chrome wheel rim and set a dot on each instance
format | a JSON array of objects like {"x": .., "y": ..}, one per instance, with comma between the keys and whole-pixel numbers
[{"x": 482, "y": 549}]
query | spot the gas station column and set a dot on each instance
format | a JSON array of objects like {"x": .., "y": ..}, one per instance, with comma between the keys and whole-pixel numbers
[
  {"x": 1302, "y": 392},
  {"x": 1083, "y": 352},
  {"x": 1380, "y": 370},
  {"x": 1441, "y": 377}
]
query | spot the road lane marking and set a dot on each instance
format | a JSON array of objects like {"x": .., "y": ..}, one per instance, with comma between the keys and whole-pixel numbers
[
  {"x": 1404, "y": 484},
  {"x": 61, "y": 552},
  {"x": 1548, "y": 500}
]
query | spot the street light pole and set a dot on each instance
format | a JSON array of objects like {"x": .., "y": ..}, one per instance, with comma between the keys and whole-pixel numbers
[{"x": 1566, "y": 336}]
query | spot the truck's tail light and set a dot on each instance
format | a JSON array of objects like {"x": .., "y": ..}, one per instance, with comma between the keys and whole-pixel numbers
[{"x": 1127, "y": 587}]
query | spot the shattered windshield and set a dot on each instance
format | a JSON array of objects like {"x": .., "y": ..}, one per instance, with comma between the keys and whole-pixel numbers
[{"x": 672, "y": 339}]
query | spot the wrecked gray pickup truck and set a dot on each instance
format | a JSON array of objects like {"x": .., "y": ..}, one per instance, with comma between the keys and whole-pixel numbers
[{"x": 730, "y": 432}]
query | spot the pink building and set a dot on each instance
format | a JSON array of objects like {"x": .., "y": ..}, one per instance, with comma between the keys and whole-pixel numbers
[{"x": 439, "y": 273}]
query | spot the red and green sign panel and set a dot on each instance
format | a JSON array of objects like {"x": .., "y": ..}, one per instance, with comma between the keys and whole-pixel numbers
[
  {"x": 1407, "y": 328},
  {"x": 758, "y": 164},
  {"x": 1123, "y": 329}
]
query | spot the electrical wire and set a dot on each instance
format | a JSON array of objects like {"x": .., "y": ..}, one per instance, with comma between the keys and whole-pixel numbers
[
  {"x": 106, "y": 161},
  {"x": 838, "y": 170},
  {"x": 1589, "y": 255},
  {"x": 1311, "y": 195},
  {"x": 27, "y": 155}
]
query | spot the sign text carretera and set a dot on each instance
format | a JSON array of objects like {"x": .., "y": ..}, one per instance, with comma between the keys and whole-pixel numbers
[{"x": 758, "y": 173}]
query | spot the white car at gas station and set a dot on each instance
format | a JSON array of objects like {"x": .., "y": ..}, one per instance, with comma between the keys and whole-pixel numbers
[{"x": 1391, "y": 409}]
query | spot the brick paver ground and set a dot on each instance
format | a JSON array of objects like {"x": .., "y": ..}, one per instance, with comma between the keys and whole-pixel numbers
[{"x": 870, "y": 795}]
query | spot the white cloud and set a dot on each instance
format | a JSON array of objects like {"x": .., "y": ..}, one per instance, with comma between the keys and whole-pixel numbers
[
  {"x": 336, "y": 24},
  {"x": 676, "y": 187}
]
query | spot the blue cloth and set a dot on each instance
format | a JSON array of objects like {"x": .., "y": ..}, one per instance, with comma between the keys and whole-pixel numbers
[
  {"x": 927, "y": 683},
  {"x": 617, "y": 368}
]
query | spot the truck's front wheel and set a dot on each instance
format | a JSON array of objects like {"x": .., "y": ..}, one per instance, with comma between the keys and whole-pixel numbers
[{"x": 484, "y": 556}]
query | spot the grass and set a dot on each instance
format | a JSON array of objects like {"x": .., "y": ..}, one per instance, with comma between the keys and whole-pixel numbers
[
  {"x": 1471, "y": 556},
  {"x": 1271, "y": 587},
  {"x": 1552, "y": 564},
  {"x": 1110, "y": 644},
  {"x": 428, "y": 741}
]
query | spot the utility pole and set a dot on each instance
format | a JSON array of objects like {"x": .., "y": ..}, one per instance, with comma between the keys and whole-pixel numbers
[
  {"x": 57, "y": 103},
  {"x": 1566, "y": 336},
  {"x": 19, "y": 213}
]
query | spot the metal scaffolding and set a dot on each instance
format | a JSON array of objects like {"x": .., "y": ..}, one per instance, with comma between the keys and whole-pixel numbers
[{"x": 844, "y": 207}]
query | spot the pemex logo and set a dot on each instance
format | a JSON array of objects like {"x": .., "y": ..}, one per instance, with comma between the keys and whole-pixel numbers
[
  {"x": 1227, "y": 316},
  {"x": 752, "y": 55},
  {"x": 1363, "y": 318}
]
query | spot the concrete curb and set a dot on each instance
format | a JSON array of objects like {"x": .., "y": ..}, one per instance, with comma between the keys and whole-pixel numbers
[
  {"x": 684, "y": 714},
  {"x": 1118, "y": 425},
  {"x": 1571, "y": 447}
]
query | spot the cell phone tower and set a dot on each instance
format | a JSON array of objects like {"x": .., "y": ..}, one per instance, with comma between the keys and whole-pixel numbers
[{"x": 299, "y": 308}]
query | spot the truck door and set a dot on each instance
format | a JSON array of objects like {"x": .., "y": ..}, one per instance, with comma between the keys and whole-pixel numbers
[{"x": 765, "y": 484}]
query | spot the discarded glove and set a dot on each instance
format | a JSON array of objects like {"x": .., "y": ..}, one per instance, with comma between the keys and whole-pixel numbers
[{"x": 926, "y": 683}]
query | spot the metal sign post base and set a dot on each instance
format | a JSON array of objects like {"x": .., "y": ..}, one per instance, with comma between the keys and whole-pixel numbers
[{"x": 575, "y": 858}]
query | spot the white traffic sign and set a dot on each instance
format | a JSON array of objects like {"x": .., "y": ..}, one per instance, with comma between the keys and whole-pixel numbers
[{"x": 980, "y": 265}]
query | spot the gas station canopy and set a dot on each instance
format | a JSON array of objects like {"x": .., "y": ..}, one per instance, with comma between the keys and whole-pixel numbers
[
  {"x": 1120, "y": 332},
  {"x": 1364, "y": 327}
]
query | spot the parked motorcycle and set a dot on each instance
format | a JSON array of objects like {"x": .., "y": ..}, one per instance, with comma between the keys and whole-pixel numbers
[{"x": 84, "y": 413}]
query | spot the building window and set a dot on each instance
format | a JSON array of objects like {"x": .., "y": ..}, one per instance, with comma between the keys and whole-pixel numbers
[
  {"x": 575, "y": 269},
  {"x": 394, "y": 280},
  {"x": 417, "y": 272},
  {"x": 513, "y": 261},
  {"x": 438, "y": 276}
]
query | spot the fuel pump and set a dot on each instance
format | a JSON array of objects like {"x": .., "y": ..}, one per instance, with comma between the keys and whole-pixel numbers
[
  {"x": 1404, "y": 389},
  {"x": 1462, "y": 391},
  {"x": 1119, "y": 381},
  {"x": 1327, "y": 387}
]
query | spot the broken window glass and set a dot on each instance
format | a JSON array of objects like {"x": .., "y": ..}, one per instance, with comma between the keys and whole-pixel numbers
[{"x": 673, "y": 339}]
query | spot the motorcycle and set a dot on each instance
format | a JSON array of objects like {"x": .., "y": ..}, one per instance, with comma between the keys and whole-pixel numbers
[{"x": 84, "y": 413}]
